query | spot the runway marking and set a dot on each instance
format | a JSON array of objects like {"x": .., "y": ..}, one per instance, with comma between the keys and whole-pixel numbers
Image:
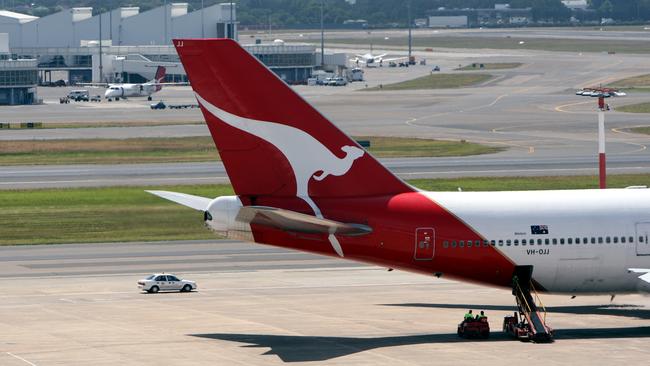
[
  {"x": 20, "y": 358},
  {"x": 411, "y": 122},
  {"x": 642, "y": 147},
  {"x": 560, "y": 108}
]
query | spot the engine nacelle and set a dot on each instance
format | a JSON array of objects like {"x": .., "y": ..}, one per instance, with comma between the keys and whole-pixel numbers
[{"x": 221, "y": 215}]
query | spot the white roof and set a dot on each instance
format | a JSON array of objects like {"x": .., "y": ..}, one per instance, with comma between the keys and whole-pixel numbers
[{"x": 18, "y": 16}]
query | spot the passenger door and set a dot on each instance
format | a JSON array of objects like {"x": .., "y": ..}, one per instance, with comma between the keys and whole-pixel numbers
[
  {"x": 424, "y": 244},
  {"x": 642, "y": 236},
  {"x": 174, "y": 283},
  {"x": 161, "y": 282}
]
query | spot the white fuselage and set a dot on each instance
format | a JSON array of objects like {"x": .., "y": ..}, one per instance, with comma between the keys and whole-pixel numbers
[
  {"x": 594, "y": 236},
  {"x": 131, "y": 90}
]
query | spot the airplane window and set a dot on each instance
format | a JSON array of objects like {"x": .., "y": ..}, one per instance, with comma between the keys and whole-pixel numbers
[
  {"x": 477, "y": 243},
  {"x": 622, "y": 239},
  {"x": 593, "y": 240},
  {"x": 577, "y": 240},
  {"x": 554, "y": 241},
  {"x": 600, "y": 240},
  {"x": 615, "y": 239},
  {"x": 517, "y": 242},
  {"x": 445, "y": 244},
  {"x": 469, "y": 243},
  {"x": 485, "y": 243},
  {"x": 631, "y": 240},
  {"x": 508, "y": 242},
  {"x": 523, "y": 241},
  {"x": 607, "y": 240},
  {"x": 461, "y": 243},
  {"x": 640, "y": 239},
  {"x": 453, "y": 243},
  {"x": 493, "y": 242},
  {"x": 585, "y": 241},
  {"x": 500, "y": 243},
  {"x": 569, "y": 241},
  {"x": 562, "y": 241},
  {"x": 547, "y": 241},
  {"x": 539, "y": 241}
]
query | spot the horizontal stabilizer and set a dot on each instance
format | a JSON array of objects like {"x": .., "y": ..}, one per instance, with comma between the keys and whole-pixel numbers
[
  {"x": 195, "y": 202},
  {"x": 298, "y": 222},
  {"x": 645, "y": 276}
]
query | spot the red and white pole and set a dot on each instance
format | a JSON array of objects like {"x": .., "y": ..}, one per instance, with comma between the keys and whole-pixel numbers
[{"x": 602, "y": 161}]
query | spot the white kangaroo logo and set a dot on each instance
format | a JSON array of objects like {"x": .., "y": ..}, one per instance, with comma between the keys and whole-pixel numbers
[{"x": 306, "y": 155}]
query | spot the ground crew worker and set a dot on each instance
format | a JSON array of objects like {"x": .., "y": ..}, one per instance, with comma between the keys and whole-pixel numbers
[
  {"x": 469, "y": 316},
  {"x": 481, "y": 315}
]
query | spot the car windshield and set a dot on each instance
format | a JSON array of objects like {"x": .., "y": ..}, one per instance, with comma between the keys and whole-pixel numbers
[{"x": 150, "y": 277}]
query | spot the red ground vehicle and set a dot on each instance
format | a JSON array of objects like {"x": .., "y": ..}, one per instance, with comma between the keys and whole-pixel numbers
[
  {"x": 474, "y": 328},
  {"x": 518, "y": 327}
]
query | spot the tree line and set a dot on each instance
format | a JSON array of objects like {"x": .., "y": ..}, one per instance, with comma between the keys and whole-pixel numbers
[{"x": 281, "y": 13}]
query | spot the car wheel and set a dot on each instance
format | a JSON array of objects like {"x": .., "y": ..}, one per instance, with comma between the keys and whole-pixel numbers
[
  {"x": 154, "y": 289},
  {"x": 187, "y": 288}
]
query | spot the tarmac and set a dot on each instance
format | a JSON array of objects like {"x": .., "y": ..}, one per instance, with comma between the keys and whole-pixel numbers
[
  {"x": 259, "y": 305},
  {"x": 78, "y": 304}
]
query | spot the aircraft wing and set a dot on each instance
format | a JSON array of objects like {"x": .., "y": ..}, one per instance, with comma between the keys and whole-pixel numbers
[
  {"x": 645, "y": 276},
  {"x": 195, "y": 202},
  {"x": 104, "y": 85},
  {"x": 395, "y": 59},
  {"x": 358, "y": 60},
  {"x": 297, "y": 222}
]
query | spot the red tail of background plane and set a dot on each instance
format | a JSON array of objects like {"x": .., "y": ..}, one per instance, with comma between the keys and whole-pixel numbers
[{"x": 160, "y": 74}]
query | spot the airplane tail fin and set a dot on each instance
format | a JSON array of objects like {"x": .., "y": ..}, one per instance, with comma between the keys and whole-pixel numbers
[
  {"x": 160, "y": 74},
  {"x": 271, "y": 141}
]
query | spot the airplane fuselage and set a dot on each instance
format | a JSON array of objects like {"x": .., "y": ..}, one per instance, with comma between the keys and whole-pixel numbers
[
  {"x": 578, "y": 241},
  {"x": 131, "y": 90}
]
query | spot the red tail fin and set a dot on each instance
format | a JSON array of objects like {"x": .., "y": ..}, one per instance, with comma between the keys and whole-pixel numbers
[
  {"x": 160, "y": 74},
  {"x": 271, "y": 141}
]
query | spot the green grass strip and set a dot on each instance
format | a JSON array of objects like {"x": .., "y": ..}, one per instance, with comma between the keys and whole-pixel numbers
[
  {"x": 87, "y": 215},
  {"x": 435, "y": 81},
  {"x": 635, "y": 108},
  {"x": 196, "y": 149}
]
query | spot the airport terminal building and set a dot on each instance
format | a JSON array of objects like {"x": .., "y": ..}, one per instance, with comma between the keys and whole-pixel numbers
[{"x": 126, "y": 45}]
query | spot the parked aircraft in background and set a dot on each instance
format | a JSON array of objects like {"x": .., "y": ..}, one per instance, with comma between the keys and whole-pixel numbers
[
  {"x": 116, "y": 91},
  {"x": 302, "y": 184},
  {"x": 371, "y": 60}
]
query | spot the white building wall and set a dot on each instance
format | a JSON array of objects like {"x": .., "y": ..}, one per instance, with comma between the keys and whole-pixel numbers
[
  {"x": 88, "y": 29},
  {"x": 153, "y": 27},
  {"x": 455, "y": 21},
  {"x": 56, "y": 30},
  {"x": 11, "y": 23},
  {"x": 189, "y": 26}
]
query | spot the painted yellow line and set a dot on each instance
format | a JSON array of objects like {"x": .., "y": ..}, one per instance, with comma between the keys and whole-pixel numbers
[{"x": 560, "y": 108}]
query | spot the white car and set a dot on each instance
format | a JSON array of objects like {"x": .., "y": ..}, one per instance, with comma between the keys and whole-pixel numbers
[{"x": 165, "y": 282}]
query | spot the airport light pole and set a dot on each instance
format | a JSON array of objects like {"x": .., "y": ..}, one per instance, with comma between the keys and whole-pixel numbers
[
  {"x": 408, "y": 9},
  {"x": 101, "y": 64},
  {"x": 602, "y": 161},
  {"x": 232, "y": 26},
  {"x": 322, "y": 33}
]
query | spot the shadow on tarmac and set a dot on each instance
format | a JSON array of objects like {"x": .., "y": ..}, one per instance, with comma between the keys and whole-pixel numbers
[
  {"x": 624, "y": 310},
  {"x": 313, "y": 348}
]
